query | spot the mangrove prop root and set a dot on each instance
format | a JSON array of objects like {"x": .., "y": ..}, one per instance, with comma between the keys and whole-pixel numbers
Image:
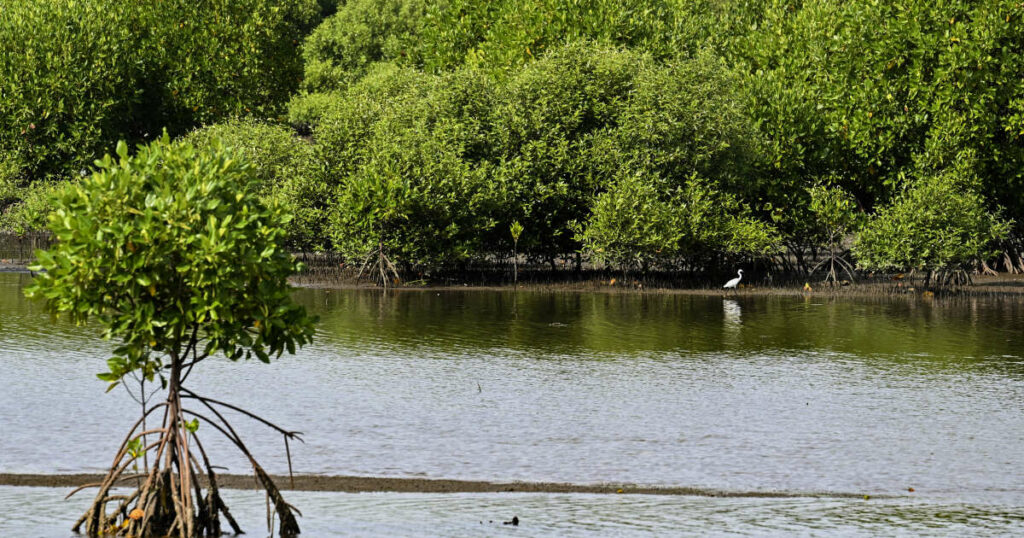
[
  {"x": 289, "y": 527},
  {"x": 170, "y": 500},
  {"x": 213, "y": 500},
  {"x": 379, "y": 267}
]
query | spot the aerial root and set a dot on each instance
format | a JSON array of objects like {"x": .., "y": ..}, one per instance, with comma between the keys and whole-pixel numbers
[
  {"x": 380, "y": 266},
  {"x": 169, "y": 500}
]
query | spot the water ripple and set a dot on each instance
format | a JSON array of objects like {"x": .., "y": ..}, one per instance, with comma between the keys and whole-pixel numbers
[{"x": 42, "y": 512}]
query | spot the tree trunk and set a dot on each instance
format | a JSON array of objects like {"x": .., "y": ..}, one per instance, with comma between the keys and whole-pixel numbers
[{"x": 515, "y": 263}]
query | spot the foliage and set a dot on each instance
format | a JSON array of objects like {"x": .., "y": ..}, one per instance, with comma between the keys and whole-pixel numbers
[
  {"x": 167, "y": 242},
  {"x": 77, "y": 75},
  {"x": 570, "y": 123},
  {"x": 865, "y": 90},
  {"x": 361, "y": 33},
  {"x": 835, "y": 212},
  {"x": 400, "y": 152},
  {"x": 221, "y": 58},
  {"x": 632, "y": 226},
  {"x": 978, "y": 99},
  {"x": 350, "y": 122},
  {"x": 529, "y": 111},
  {"x": 283, "y": 173},
  {"x": 503, "y": 35},
  {"x": 411, "y": 205},
  {"x": 10, "y": 170},
  {"x": 834, "y": 215},
  {"x": 545, "y": 122},
  {"x": 435, "y": 168},
  {"x": 636, "y": 224},
  {"x": 497, "y": 37},
  {"x": 70, "y": 76},
  {"x": 306, "y": 109},
  {"x": 273, "y": 152},
  {"x": 516, "y": 231},
  {"x": 939, "y": 223},
  {"x": 686, "y": 117},
  {"x": 29, "y": 212}
]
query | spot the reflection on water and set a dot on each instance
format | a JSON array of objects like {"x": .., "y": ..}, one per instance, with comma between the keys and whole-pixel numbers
[
  {"x": 555, "y": 324},
  {"x": 739, "y": 393},
  {"x": 732, "y": 321},
  {"x": 566, "y": 323},
  {"x": 411, "y": 514},
  {"x": 731, "y": 312}
]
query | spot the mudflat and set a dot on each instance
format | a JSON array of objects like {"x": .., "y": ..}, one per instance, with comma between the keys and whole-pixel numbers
[{"x": 359, "y": 484}]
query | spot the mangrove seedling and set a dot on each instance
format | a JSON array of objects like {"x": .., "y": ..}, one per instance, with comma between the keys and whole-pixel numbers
[
  {"x": 174, "y": 255},
  {"x": 516, "y": 230}
]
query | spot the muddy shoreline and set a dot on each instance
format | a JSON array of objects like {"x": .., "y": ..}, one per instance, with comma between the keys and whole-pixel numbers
[
  {"x": 365, "y": 484},
  {"x": 13, "y": 268},
  {"x": 1001, "y": 285}
]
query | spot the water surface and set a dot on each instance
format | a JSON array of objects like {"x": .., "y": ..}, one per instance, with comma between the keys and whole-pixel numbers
[
  {"x": 735, "y": 393},
  {"x": 472, "y": 515}
]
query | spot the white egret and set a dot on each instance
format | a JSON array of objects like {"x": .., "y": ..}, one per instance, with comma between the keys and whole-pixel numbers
[{"x": 734, "y": 282}]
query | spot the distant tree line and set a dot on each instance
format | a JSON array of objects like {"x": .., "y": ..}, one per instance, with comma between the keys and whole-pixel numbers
[{"x": 641, "y": 134}]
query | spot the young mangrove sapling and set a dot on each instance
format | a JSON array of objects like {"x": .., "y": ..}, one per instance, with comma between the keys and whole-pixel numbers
[{"x": 173, "y": 254}]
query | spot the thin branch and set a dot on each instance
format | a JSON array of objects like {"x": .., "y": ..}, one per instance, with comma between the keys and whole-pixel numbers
[
  {"x": 362, "y": 268},
  {"x": 288, "y": 453},
  {"x": 192, "y": 341},
  {"x": 108, "y": 482},
  {"x": 230, "y": 435},
  {"x": 128, "y": 437},
  {"x": 206, "y": 401},
  {"x": 193, "y": 344},
  {"x": 131, "y": 394},
  {"x": 123, "y": 478}
]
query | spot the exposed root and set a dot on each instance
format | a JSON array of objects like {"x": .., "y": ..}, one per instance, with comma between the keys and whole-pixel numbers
[
  {"x": 289, "y": 527},
  {"x": 170, "y": 501},
  {"x": 379, "y": 268},
  {"x": 836, "y": 263}
]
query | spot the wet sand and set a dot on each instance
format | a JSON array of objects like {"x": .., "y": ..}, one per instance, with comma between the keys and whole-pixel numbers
[{"x": 363, "y": 484}]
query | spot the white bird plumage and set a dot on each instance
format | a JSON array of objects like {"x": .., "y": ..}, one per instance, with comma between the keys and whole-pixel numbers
[{"x": 734, "y": 282}]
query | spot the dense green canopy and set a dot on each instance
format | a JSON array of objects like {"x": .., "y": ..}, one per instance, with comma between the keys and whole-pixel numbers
[
  {"x": 432, "y": 126},
  {"x": 939, "y": 223},
  {"x": 78, "y": 75}
]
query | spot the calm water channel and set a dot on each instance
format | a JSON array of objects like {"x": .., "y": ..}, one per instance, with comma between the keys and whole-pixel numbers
[{"x": 801, "y": 395}]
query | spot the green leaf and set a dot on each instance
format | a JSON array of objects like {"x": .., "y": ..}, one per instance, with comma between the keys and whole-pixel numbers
[{"x": 116, "y": 280}]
